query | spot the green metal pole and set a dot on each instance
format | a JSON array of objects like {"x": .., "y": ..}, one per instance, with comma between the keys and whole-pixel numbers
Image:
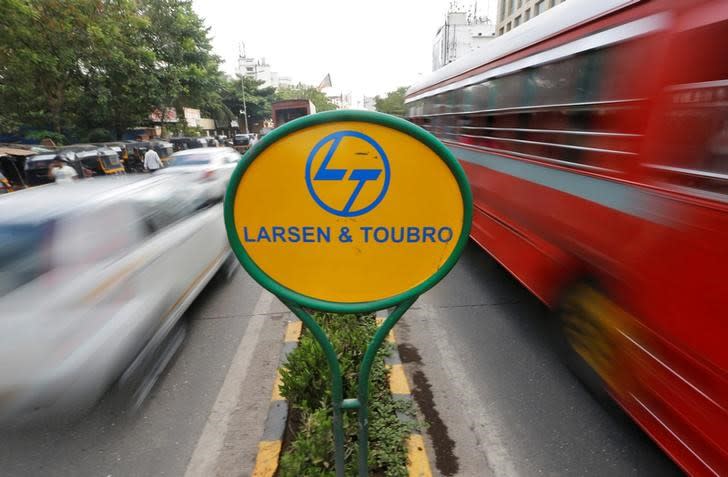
[
  {"x": 363, "y": 384},
  {"x": 337, "y": 389}
]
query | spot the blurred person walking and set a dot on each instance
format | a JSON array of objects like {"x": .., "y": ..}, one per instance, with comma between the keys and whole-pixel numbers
[
  {"x": 61, "y": 172},
  {"x": 152, "y": 162}
]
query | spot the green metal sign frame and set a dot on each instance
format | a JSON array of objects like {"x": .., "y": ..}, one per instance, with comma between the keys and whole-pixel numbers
[{"x": 299, "y": 303}]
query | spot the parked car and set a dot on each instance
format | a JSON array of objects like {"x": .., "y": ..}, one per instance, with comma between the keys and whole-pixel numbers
[
  {"x": 36, "y": 168},
  {"x": 210, "y": 167},
  {"x": 135, "y": 155},
  {"x": 183, "y": 143},
  {"x": 163, "y": 148},
  {"x": 119, "y": 147},
  {"x": 86, "y": 159},
  {"x": 93, "y": 281},
  {"x": 12, "y": 162},
  {"x": 242, "y": 142}
]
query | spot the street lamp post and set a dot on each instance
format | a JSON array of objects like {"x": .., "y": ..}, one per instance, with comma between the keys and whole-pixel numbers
[{"x": 241, "y": 67}]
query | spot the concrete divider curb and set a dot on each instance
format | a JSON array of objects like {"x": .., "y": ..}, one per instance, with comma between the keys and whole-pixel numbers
[
  {"x": 270, "y": 445},
  {"x": 418, "y": 464}
]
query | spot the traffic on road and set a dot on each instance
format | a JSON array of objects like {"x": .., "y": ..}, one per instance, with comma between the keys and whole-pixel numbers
[{"x": 544, "y": 214}]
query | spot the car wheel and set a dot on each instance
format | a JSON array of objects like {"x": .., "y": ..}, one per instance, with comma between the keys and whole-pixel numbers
[
  {"x": 137, "y": 388},
  {"x": 228, "y": 269}
]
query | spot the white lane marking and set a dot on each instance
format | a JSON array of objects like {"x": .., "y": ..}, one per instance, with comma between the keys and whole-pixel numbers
[
  {"x": 486, "y": 425},
  {"x": 209, "y": 445}
]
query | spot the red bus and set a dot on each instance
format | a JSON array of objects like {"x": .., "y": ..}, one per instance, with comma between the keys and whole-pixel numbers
[{"x": 595, "y": 140}]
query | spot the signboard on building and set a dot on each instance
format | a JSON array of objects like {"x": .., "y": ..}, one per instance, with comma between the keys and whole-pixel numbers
[
  {"x": 191, "y": 116},
  {"x": 170, "y": 115},
  {"x": 206, "y": 124},
  {"x": 234, "y": 124}
]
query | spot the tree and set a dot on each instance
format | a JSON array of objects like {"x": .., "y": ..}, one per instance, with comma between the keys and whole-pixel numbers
[
  {"x": 392, "y": 103},
  {"x": 185, "y": 67},
  {"x": 121, "y": 86},
  {"x": 44, "y": 47},
  {"x": 78, "y": 65},
  {"x": 257, "y": 98},
  {"x": 301, "y": 91}
]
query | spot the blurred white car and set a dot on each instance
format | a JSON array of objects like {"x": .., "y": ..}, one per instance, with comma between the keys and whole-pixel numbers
[
  {"x": 94, "y": 276},
  {"x": 209, "y": 167}
]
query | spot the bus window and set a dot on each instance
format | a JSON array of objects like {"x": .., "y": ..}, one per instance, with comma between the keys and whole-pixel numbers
[
  {"x": 691, "y": 140},
  {"x": 509, "y": 91},
  {"x": 558, "y": 83}
]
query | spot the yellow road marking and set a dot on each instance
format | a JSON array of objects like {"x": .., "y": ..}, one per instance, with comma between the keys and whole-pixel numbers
[
  {"x": 390, "y": 336},
  {"x": 293, "y": 332},
  {"x": 266, "y": 463},
  {"x": 417, "y": 463},
  {"x": 398, "y": 380}
]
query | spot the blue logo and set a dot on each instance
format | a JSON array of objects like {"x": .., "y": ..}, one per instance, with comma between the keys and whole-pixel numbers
[{"x": 361, "y": 177}]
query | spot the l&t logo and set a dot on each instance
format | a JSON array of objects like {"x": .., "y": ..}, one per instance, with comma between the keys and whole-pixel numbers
[{"x": 355, "y": 193}]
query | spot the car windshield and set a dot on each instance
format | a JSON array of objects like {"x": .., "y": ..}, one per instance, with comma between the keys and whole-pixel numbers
[
  {"x": 21, "y": 258},
  {"x": 192, "y": 160}
]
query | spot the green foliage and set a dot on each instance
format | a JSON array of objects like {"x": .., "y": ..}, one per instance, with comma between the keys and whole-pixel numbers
[
  {"x": 257, "y": 100},
  {"x": 57, "y": 138},
  {"x": 76, "y": 65},
  {"x": 392, "y": 103},
  {"x": 99, "y": 135},
  {"x": 301, "y": 91},
  {"x": 306, "y": 385}
]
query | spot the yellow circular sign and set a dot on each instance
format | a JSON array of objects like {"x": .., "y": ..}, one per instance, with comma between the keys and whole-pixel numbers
[{"x": 347, "y": 211}]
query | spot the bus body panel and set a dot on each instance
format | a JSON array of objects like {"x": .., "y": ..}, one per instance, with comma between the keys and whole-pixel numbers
[{"x": 608, "y": 164}]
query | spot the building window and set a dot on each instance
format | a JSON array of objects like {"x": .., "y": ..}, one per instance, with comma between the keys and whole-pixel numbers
[
  {"x": 516, "y": 21},
  {"x": 539, "y": 8},
  {"x": 502, "y": 9},
  {"x": 508, "y": 27},
  {"x": 552, "y": 3},
  {"x": 527, "y": 15},
  {"x": 510, "y": 6},
  {"x": 500, "y": 32}
]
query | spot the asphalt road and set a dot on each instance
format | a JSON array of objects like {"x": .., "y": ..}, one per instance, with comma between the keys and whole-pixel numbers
[{"x": 497, "y": 399}]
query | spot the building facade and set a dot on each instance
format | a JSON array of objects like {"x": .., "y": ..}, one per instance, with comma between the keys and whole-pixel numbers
[
  {"x": 512, "y": 13},
  {"x": 342, "y": 99},
  {"x": 461, "y": 34},
  {"x": 260, "y": 69}
]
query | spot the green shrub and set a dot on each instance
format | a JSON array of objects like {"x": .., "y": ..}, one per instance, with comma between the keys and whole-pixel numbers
[
  {"x": 307, "y": 387},
  {"x": 58, "y": 138},
  {"x": 100, "y": 135}
]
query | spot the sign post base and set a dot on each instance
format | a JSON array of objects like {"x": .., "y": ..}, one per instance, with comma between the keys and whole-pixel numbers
[{"x": 361, "y": 403}]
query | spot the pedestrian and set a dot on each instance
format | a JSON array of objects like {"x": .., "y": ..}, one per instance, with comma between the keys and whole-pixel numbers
[
  {"x": 152, "y": 162},
  {"x": 61, "y": 172}
]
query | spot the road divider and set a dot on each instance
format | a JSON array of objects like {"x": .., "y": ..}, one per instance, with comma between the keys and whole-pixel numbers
[{"x": 271, "y": 443}]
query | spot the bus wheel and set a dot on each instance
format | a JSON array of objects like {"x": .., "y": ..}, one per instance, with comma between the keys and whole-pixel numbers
[{"x": 586, "y": 336}]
